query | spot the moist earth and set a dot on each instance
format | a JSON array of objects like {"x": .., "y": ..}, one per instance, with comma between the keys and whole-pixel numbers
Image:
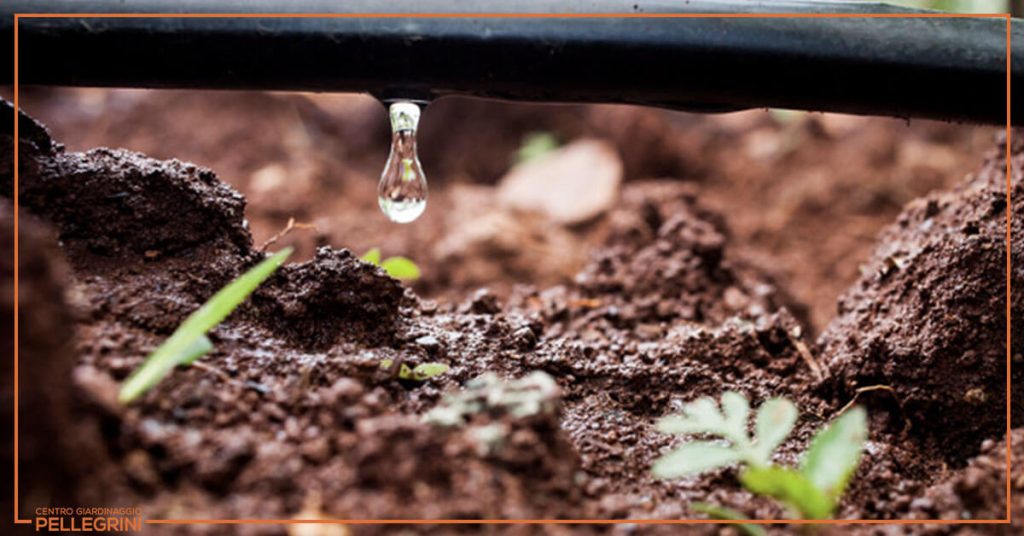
[
  {"x": 549, "y": 404},
  {"x": 794, "y": 186}
]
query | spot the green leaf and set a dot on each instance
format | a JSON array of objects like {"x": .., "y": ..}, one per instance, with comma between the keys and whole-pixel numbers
[
  {"x": 728, "y": 514},
  {"x": 181, "y": 346},
  {"x": 790, "y": 487},
  {"x": 401, "y": 268},
  {"x": 705, "y": 412},
  {"x": 693, "y": 458},
  {"x": 421, "y": 373},
  {"x": 679, "y": 424},
  {"x": 372, "y": 256},
  {"x": 775, "y": 419},
  {"x": 737, "y": 413},
  {"x": 535, "y": 145},
  {"x": 428, "y": 370},
  {"x": 835, "y": 452},
  {"x": 197, "y": 349},
  {"x": 702, "y": 416},
  {"x": 784, "y": 116}
]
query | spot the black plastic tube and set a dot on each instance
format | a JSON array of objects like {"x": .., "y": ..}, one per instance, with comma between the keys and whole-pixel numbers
[{"x": 940, "y": 68}]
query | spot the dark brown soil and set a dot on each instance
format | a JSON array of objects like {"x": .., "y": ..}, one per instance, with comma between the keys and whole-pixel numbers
[
  {"x": 46, "y": 343},
  {"x": 804, "y": 196},
  {"x": 292, "y": 415},
  {"x": 980, "y": 489},
  {"x": 928, "y": 317}
]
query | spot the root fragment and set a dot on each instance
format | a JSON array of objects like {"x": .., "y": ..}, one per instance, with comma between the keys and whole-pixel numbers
[
  {"x": 260, "y": 388},
  {"x": 806, "y": 355},
  {"x": 292, "y": 225},
  {"x": 868, "y": 389}
]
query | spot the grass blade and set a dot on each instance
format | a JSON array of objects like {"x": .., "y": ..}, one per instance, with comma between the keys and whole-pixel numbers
[
  {"x": 728, "y": 514},
  {"x": 184, "y": 345},
  {"x": 197, "y": 349}
]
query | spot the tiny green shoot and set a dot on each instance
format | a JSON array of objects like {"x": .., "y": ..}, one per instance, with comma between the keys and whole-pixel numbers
[
  {"x": 812, "y": 491},
  {"x": 535, "y": 145},
  {"x": 728, "y": 514},
  {"x": 372, "y": 256},
  {"x": 958, "y": 6},
  {"x": 189, "y": 342},
  {"x": 784, "y": 116},
  {"x": 419, "y": 373},
  {"x": 397, "y": 267}
]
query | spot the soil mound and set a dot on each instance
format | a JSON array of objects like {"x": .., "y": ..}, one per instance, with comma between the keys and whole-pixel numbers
[
  {"x": 665, "y": 261},
  {"x": 312, "y": 303},
  {"x": 979, "y": 491},
  {"x": 928, "y": 317},
  {"x": 51, "y": 430}
]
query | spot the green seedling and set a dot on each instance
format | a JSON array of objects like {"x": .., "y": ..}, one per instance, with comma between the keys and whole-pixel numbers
[
  {"x": 533, "y": 394},
  {"x": 189, "y": 342},
  {"x": 728, "y": 514},
  {"x": 783, "y": 116},
  {"x": 397, "y": 267},
  {"x": 811, "y": 491},
  {"x": 535, "y": 145},
  {"x": 958, "y": 6},
  {"x": 419, "y": 373}
]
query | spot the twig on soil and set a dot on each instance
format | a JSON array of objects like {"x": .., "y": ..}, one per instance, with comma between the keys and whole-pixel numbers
[
  {"x": 585, "y": 303},
  {"x": 805, "y": 354},
  {"x": 227, "y": 378},
  {"x": 868, "y": 389},
  {"x": 292, "y": 225}
]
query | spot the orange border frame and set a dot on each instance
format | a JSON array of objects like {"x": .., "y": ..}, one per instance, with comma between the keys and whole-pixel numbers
[{"x": 1009, "y": 490}]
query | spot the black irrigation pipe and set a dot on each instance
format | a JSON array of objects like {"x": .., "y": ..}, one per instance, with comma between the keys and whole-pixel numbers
[{"x": 940, "y": 68}]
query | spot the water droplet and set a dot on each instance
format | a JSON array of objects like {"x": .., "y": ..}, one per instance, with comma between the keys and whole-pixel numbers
[{"x": 402, "y": 193}]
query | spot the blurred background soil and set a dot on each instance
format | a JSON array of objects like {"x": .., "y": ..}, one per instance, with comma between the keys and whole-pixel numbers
[{"x": 803, "y": 194}]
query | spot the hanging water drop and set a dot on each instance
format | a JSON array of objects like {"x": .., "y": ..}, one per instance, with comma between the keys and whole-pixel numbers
[{"x": 402, "y": 193}]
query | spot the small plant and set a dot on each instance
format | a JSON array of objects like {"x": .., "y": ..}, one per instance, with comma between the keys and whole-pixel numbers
[
  {"x": 535, "y": 145},
  {"x": 728, "y": 514},
  {"x": 189, "y": 342},
  {"x": 533, "y": 394},
  {"x": 420, "y": 373},
  {"x": 812, "y": 491},
  {"x": 397, "y": 267}
]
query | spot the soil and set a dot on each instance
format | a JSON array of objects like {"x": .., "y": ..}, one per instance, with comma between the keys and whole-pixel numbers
[
  {"x": 46, "y": 327},
  {"x": 943, "y": 263},
  {"x": 557, "y": 375},
  {"x": 792, "y": 187}
]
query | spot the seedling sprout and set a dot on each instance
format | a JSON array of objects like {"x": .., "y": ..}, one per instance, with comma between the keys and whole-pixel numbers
[
  {"x": 536, "y": 145},
  {"x": 420, "y": 373},
  {"x": 398, "y": 267},
  {"x": 189, "y": 342},
  {"x": 728, "y": 514},
  {"x": 811, "y": 492}
]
